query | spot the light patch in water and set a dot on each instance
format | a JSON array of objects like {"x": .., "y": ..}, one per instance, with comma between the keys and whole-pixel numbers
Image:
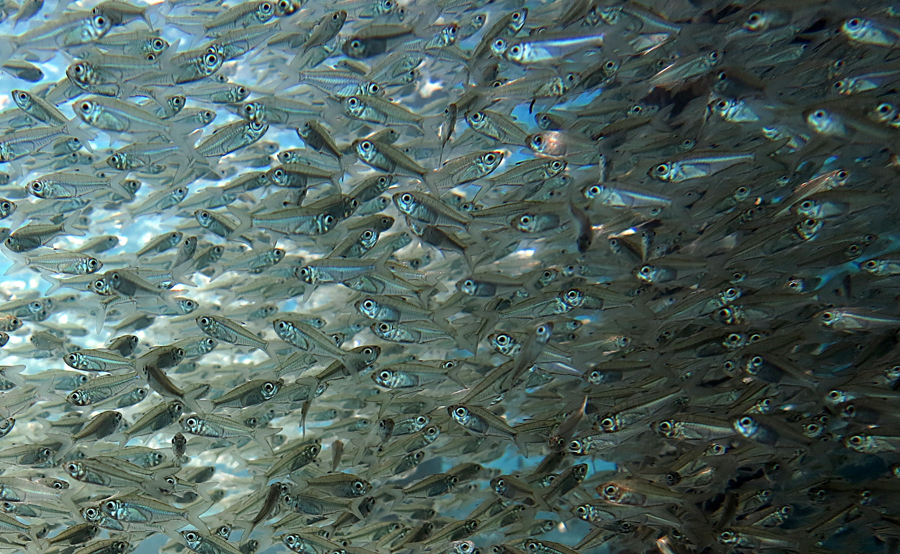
[{"x": 430, "y": 88}]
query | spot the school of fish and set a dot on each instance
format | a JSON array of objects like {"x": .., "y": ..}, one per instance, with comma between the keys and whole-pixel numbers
[{"x": 450, "y": 277}]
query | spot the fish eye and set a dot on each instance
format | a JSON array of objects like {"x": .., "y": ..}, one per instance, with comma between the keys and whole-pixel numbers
[
  {"x": 100, "y": 21},
  {"x": 85, "y": 107},
  {"x": 158, "y": 43},
  {"x": 662, "y": 169},
  {"x": 853, "y": 23},
  {"x": 490, "y": 158},
  {"x": 71, "y": 468},
  {"x": 111, "y": 506},
  {"x": 856, "y": 440},
  {"x": 353, "y": 101},
  {"x": 515, "y": 50},
  {"x": 827, "y": 316},
  {"x": 191, "y": 536},
  {"x": 745, "y": 422},
  {"x": 191, "y": 421},
  {"x": 714, "y": 55},
  {"x": 355, "y": 43}
]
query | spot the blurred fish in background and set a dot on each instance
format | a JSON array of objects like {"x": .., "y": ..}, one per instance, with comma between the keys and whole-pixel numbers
[{"x": 449, "y": 277}]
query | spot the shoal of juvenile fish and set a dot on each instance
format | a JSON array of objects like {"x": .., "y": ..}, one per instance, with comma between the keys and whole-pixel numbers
[{"x": 450, "y": 277}]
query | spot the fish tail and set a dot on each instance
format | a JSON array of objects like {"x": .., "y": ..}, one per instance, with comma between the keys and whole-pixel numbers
[
  {"x": 69, "y": 227},
  {"x": 18, "y": 265},
  {"x": 245, "y": 221},
  {"x": 260, "y": 436},
  {"x": 73, "y": 129},
  {"x": 195, "y": 511},
  {"x": 37, "y": 545},
  {"x": 116, "y": 185}
]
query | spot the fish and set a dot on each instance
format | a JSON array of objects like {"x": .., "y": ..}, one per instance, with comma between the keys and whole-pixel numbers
[{"x": 538, "y": 277}]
